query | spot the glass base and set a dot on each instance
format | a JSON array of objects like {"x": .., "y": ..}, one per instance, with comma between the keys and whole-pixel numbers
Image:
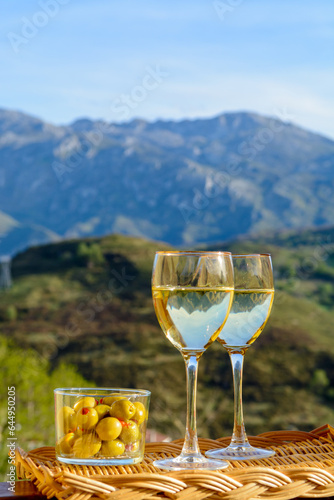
[
  {"x": 239, "y": 452},
  {"x": 100, "y": 461},
  {"x": 190, "y": 463}
]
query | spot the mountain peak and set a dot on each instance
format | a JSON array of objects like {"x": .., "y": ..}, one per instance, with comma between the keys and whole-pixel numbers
[
  {"x": 18, "y": 122},
  {"x": 82, "y": 124},
  {"x": 21, "y": 124}
]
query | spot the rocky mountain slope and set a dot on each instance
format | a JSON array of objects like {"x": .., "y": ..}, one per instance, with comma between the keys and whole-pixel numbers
[{"x": 185, "y": 182}]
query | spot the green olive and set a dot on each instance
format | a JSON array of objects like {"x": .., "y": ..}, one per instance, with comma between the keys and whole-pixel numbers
[
  {"x": 66, "y": 420},
  {"x": 109, "y": 428},
  {"x": 102, "y": 410},
  {"x": 130, "y": 432},
  {"x": 64, "y": 445},
  {"x": 78, "y": 432},
  {"x": 109, "y": 400},
  {"x": 112, "y": 448},
  {"x": 133, "y": 446},
  {"x": 87, "y": 402},
  {"x": 86, "y": 446},
  {"x": 140, "y": 414},
  {"x": 87, "y": 418},
  {"x": 123, "y": 409}
]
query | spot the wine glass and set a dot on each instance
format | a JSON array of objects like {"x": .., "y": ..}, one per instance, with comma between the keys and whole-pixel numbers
[
  {"x": 192, "y": 296},
  {"x": 252, "y": 302}
]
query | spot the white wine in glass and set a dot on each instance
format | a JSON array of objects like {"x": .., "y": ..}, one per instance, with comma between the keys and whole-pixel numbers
[
  {"x": 252, "y": 302},
  {"x": 192, "y": 296}
]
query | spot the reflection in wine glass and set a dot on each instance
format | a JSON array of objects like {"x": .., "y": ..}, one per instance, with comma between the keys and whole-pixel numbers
[
  {"x": 192, "y": 296},
  {"x": 253, "y": 298}
]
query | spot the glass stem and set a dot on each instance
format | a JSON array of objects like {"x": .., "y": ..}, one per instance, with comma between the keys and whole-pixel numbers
[
  {"x": 239, "y": 437},
  {"x": 190, "y": 446}
]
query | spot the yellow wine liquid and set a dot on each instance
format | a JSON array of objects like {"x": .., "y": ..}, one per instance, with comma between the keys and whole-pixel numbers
[
  {"x": 192, "y": 318},
  {"x": 249, "y": 313}
]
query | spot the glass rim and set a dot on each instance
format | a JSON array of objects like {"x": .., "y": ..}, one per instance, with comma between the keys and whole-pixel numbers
[
  {"x": 250, "y": 255},
  {"x": 192, "y": 252},
  {"x": 79, "y": 391}
]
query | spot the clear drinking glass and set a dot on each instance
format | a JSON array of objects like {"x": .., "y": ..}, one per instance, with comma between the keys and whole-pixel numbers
[
  {"x": 192, "y": 296},
  {"x": 100, "y": 426},
  {"x": 252, "y": 302}
]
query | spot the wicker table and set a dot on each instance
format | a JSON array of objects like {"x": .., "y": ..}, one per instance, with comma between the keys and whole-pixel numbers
[
  {"x": 303, "y": 466},
  {"x": 24, "y": 489}
]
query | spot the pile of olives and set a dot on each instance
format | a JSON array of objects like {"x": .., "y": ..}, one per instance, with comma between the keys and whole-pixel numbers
[{"x": 106, "y": 427}]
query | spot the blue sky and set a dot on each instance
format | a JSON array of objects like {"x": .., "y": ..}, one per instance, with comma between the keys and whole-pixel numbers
[{"x": 170, "y": 59}]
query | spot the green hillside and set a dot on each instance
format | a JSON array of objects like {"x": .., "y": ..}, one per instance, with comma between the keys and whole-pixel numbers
[{"x": 88, "y": 303}]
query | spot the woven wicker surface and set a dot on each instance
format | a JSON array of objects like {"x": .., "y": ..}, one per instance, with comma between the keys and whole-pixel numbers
[{"x": 303, "y": 466}]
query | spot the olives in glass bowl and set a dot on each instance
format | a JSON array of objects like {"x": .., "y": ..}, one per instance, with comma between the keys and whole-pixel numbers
[{"x": 101, "y": 426}]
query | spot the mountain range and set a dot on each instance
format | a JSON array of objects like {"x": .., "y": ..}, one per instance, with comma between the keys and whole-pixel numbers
[{"x": 182, "y": 182}]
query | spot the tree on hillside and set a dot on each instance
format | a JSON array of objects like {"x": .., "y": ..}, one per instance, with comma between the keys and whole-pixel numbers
[{"x": 28, "y": 385}]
